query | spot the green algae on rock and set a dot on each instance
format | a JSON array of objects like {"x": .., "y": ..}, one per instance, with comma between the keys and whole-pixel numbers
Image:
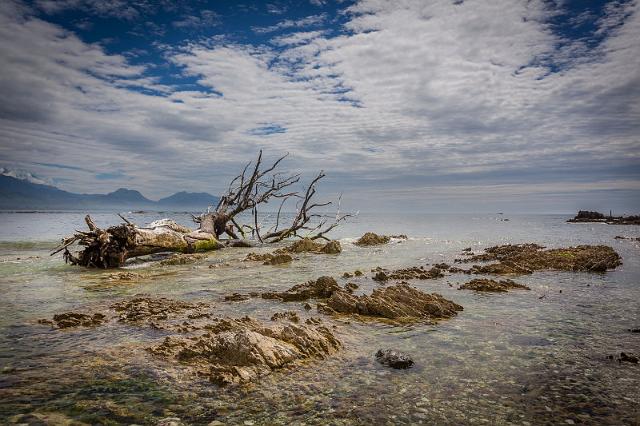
[
  {"x": 242, "y": 350},
  {"x": 492, "y": 285}
]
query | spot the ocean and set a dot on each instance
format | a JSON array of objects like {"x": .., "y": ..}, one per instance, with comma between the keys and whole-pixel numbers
[{"x": 522, "y": 357}]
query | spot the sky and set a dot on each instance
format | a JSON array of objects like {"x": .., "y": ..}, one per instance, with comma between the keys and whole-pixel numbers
[{"x": 407, "y": 105}]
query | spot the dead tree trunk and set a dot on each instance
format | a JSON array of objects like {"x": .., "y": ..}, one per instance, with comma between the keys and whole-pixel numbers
[{"x": 111, "y": 247}]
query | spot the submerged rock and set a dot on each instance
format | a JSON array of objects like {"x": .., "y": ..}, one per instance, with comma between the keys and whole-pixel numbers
[
  {"x": 242, "y": 350},
  {"x": 394, "y": 359},
  {"x": 151, "y": 309},
  {"x": 525, "y": 258},
  {"x": 321, "y": 288},
  {"x": 182, "y": 259},
  {"x": 279, "y": 259},
  {"x": 350, "y": 287},
  {"x": 372, "y": 239},
  {"x": 236, "y": 297},
  {"x": 492, "y": 286},
  {"x": 400, "y": 303},
  {"x": 75, "y": 319}
]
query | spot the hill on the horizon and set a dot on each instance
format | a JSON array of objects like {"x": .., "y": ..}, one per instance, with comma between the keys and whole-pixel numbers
[{"x": 21, "y": 194}]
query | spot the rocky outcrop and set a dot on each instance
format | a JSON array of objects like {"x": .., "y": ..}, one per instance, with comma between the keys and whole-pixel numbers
[
  {"x": 75, "y": 319},
  {"x": 372, "y": 239},
  {"x": 242, "y": 350},
  {"x": 520, "y": 259},
  {"x": 321, "y": 288},
  {"x": 306, "y": 245},
  {"x": 156, "y": 308},
  {"x": 412, "y": 273},
  {"x": 399, "y": 303},
  {"x": 492, "y": 286},
  {"x": 394, "y": 359},
  {"x": 587, "y": 216}
]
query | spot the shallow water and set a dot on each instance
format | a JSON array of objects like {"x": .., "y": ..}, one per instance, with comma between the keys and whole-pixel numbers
[{"x": 524, "y": 357}]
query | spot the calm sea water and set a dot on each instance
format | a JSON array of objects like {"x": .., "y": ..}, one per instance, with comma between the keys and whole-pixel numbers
[{"x": 525, "y": 357}]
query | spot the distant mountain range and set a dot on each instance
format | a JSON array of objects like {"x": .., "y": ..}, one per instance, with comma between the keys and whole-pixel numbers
[{"x": 23, "y": 194}]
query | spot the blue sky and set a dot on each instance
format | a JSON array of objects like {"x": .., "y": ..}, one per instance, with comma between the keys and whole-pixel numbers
[{"x": 498, "y": 105}]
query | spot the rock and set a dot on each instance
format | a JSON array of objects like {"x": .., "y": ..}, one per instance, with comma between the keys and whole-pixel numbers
[
  {"x": 371, "y": 239},
  {"x": 350, "y": 287},
  {"x": 587, "y": 216},
  {"x": 492, "y": 286},
  {"x": 627, "y": 358},
  {"x": 288, "y": 315},
  {"x": 306, "y": 245},
  {"x": 236, "y": 297},
  {"x": 182, "y": 259},
  {"x": 399, "y": 237},
  {"x": 259, "y": 257},
  {"x": 279, "y": 259},
  {"x": 124, "y": 276},
  {"x": 347, "y": 275},
  {"x": 521, "y": 259},
  {"x": 400, "y": 303},
  {"x": 412, "y": 273},
  {"x": 242, "y": 350},
  {"x": 381, "y": 277},
  {"x": 394, "y": 359},
  {"x": 358, "y": 273},
  {"x": 75, "y": 319},
  {"x": 442, "y": 266},
  {"x": 321, "y": 288},
  {"x": 332, "y": 247},
  {"x": 170, "y": 421},
  {"x": 307, "y": 307},
  {"x": 634, "y": 330},
  {"x": 153, "y": 309}
]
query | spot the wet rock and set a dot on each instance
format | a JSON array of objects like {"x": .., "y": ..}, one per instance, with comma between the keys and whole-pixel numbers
[
  {"x": 75, "y": 319},
  {"x": 350, "y": 287},
  {"x": 400, "y": 302},
  {"x": 288, "y": 315},
  {"x": 124, "y": 276},
  {"x": 372, "y": 239},
  {"x": 170, "y": 421},
  {"x": 394, "y": 359},
  {"x": 242, "y": 350},
  {"x": 153, "y": 309},
  {"x": 624, "y": 357},
  {"x": 307, "y": 307},
  {"x": 442, "y": 266},
  {"x": 399, "y": 237},
  {"x": 634, "y": 330},
  {"x": 525, "y": 258},
  {"x": 492, "y": 286},
  {"x": 380, "y": 276},
  {"x": 620, "y": 237},
  {"x": 321, "y": 288},
  {"x": 306, "y": 245},
  {"x": 236, "y": 297},
  {"x": 182, "y": 259},
  {"x": 358, "y": 273},
  {"x": 279, "y": 259},
  {"x": 412, "y": 273},
  {"x": 258, "y": 257},
  {"x": 347, "y": 275}
]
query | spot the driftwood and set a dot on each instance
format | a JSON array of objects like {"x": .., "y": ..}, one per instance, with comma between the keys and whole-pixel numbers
[{"x": 255, "y": 186}]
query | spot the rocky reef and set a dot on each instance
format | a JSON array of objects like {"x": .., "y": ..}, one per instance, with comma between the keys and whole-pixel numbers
[
  {"x": 588, "y": 216},
  {"x": 518, "y": 259},
  {"x": 492, "y": 285},
  {"x": 321, "y": 288},
  {"x": 242, "y": 350},
  {"x": 399, "y": 303},
  {"x": 411, "y": 273}
]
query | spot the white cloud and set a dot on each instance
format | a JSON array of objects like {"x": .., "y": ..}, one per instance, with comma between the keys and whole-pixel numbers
[{"x": 410, "y": 95}]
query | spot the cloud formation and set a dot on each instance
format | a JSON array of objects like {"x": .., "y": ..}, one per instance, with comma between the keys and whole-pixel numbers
[{"x": 426, "y": 102}]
